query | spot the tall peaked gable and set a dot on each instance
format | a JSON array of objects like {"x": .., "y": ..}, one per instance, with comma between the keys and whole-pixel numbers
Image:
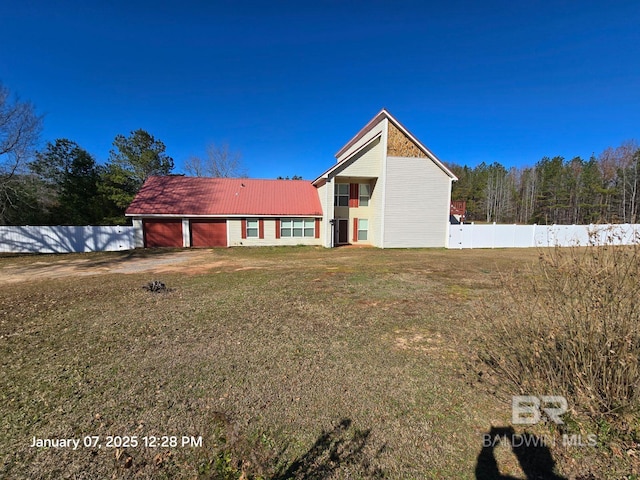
[{"x": 400, "y": 142}]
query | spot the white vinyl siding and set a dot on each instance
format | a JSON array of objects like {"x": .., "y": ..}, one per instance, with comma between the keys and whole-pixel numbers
[
  {"x": 325, "y": 193},
  {"x": 375, "y": 133},
  {"x": 234, "y": 232},
  {"x": 417, "y": 203},
  {"x": 365, "y": 163},
  {"x": 374, "y": 213}
]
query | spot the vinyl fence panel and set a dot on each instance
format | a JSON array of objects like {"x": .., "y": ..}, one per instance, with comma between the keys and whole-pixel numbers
[
  {"x": 523, "y": 236},
  {"x": 63, "y": 239}
]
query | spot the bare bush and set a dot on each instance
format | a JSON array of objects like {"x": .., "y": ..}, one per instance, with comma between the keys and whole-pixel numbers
[
  {"x": 156, "y": 286},
  {"x": 569, "y": 326}
]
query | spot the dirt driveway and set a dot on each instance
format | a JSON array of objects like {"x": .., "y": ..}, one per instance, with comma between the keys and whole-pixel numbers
[{"x": 28, "y": 267}]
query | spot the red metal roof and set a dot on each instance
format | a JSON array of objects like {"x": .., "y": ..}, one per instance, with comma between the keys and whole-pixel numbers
[{"x": 178, "y": 195}]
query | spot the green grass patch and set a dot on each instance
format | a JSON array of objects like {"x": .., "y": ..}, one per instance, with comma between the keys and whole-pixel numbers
[{"x": 288, "y": 363}]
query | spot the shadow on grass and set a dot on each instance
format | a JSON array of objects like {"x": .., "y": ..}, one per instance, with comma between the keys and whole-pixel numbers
[
  {"x": 112, "y": 260},
  {"x": 339, "y": 452},
  {"x": 94, "y": 258},
  {"x": 334, "y": 450},
  {"x": 532, "y": 453}
]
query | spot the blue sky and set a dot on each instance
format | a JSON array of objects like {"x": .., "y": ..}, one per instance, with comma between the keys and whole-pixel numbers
[{"x": 288, "y": 83}]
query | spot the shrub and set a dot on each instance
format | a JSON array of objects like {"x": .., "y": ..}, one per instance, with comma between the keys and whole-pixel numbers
[{"x": 569, "y": 326}]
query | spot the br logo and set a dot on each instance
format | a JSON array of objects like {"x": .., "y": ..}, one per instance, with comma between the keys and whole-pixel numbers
[{"x": 526, "y": 409}]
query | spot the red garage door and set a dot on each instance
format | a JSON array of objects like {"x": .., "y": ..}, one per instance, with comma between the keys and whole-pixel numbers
[
  {"x": 208, "y": 233},
  {"x": 162, "y": 233}
]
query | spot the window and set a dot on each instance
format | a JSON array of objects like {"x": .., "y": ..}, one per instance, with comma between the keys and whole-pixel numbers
[
  {"x": 341, "y": 198},
  {"x": 252, "y": 229},
  {"x": 297, "y": 227},
  {"x": 365, "y": 194},
  {"x": 363, "y": 228}
]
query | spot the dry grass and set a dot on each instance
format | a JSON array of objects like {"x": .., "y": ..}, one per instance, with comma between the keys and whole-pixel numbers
[
  {"x": 569, "y": 326},
  {"x": 290, "y": 363},
  {"x": 580, "y": 336}
]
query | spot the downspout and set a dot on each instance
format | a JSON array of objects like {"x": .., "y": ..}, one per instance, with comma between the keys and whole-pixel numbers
[{"x": 332, "y": 222}]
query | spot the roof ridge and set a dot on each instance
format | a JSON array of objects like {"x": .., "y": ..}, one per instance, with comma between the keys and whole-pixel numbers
[{"x": 247, "y": 179}]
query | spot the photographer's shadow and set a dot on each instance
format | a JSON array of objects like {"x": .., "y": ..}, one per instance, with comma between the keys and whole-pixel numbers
[{"x": 533, "y": 455}]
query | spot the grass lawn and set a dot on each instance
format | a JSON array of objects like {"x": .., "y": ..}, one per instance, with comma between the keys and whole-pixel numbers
[{"x": 293, "y": 362}]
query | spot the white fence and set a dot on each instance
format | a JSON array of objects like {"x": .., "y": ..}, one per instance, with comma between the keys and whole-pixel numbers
[
  {"x": 523, "y": 236},
  {"x": 65, "y": 239}
]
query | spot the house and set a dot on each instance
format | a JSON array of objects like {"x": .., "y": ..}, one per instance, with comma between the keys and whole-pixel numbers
[
  {"x": 458, "y": 212},
  {"x": 177, "y": 211},
  {"x": 386, "y": 190}
]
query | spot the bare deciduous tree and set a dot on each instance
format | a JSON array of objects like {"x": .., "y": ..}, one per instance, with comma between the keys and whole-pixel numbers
[
  {"x": 19, "y": 132},
  {"x": 623, "y": 160},
  {"x": 220, "y": 162}
]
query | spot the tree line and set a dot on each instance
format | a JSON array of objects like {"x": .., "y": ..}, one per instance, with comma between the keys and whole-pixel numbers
[
  {"x": 603, "y": 189},
  {"x": 63, "y": 184}
]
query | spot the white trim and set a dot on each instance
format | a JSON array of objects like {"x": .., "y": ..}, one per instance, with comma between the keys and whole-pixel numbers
[
  {"x": 292, "y": 228},
  {"x": 384, "y": 114},
  {"x": 343, "y": 163},
  {"x": 383, "y": 178},
  {"x": 186, "y": 233},
  {"x": 138, "y": 233},
  {"x": 367, "y": 139},
  {"x": 361, "y": 133},
  {"x": 257, "y": 228},
  {"x": 364, "y": 230},
  {"x": 228, "y": 233},
  {"x": 329, "y": 207},
  {"x": 429, "y": 153},
  {"x": 448, "y": 226}
]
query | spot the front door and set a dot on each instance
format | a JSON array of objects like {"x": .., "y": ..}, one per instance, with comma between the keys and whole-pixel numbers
[{"x": 342, "y": 234}]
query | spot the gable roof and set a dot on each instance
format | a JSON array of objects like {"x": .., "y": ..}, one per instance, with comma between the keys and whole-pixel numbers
[
  {"x": 384, "y": 114},
  {"x": 178, "y": 195}
]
